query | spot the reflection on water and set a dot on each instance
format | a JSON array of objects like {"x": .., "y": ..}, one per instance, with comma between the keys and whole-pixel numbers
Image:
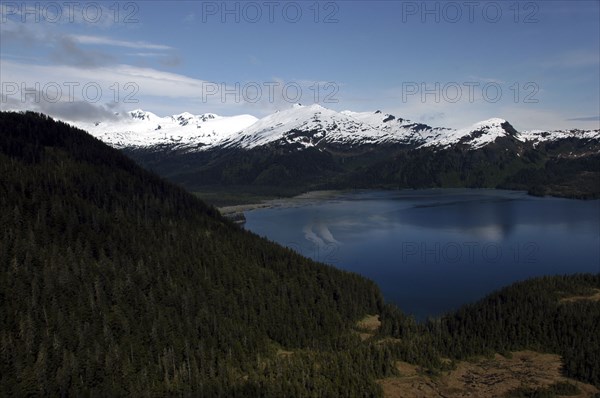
[
  {"x": 318, "y": 233},
  {"x": 433, "y": 250}
]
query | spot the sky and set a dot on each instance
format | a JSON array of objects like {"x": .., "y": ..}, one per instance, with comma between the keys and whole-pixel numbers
[{"x": 444, "y": 63}]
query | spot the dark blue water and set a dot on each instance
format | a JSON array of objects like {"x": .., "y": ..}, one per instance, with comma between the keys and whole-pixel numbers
[{"x": 431, "y": 251}]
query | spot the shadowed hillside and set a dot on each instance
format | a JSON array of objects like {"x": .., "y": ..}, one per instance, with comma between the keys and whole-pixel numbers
[{"x": 115, "y": 281}]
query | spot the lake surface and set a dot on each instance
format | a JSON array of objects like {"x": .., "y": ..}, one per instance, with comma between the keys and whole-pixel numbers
[{"x": 431, "y": 251}]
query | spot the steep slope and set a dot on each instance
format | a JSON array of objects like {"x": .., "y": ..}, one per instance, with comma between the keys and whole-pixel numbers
[
  {"x": 306, "y": 126},
  {"x": 114, "y": 282},
  {"x": 566, "y": 168}
]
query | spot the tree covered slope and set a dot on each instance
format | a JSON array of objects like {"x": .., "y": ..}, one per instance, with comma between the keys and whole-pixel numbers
[{"x": 116, "y": 282}]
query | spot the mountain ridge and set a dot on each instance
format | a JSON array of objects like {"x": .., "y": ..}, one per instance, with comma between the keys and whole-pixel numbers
[
  {"x": 302, "y": 127},
  {"x": 306, "y": 148}
]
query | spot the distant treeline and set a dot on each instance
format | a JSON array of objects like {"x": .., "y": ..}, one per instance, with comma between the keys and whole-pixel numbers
[{"x": 567, "y": 168}]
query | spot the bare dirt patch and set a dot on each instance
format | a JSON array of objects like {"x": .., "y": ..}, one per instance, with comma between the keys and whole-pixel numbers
[
  {"x": 368, "y": 326},
  {"x": 485, "y": 377},
  {"x": 593, "y": 297}
]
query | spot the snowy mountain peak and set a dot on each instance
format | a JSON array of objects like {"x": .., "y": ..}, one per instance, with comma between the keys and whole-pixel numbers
[
  {"x": 477, "y": 136},
  {"x": 539, "y": 136},
  {"x": 186, "y": 118},
  {"x": 184, "y": 115},
  {"x": 495, "y": 121},
  {"x": 306, "y": 126},
  {"x": 494, "y": 126},
  {"x": 142, "y": 115},
  {"x": 184, "y": 130}
]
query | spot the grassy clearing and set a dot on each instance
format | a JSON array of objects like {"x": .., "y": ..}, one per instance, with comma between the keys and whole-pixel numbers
[
  {"x": 368, "y": 326},
  {"x": 485, "y": 377}
]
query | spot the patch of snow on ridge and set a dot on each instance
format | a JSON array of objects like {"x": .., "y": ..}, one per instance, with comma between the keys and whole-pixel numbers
[
  {"x": 476, "y": 136},
  {"x": 145, "y": 129}
]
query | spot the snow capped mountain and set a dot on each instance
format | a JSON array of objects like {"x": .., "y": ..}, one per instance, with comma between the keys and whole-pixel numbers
[
  {"x": 305, "y": 126},
  {"x": 477, "y": 136},
  {"x": 398, "y": 130},
  {"x": 538, "y": 136},
  {"x": 144, "y": 129}
]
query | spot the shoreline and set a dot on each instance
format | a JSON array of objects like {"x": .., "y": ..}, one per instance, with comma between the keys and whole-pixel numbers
[
  {"x": 233, "y": 211},
  {"x": 236, "y": 212}
]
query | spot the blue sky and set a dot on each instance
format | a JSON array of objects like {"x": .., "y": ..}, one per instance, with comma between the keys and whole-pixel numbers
[{"x": 534, "y": 63}]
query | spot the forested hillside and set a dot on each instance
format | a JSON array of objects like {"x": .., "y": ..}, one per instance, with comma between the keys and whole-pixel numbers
[
  {"x": 567, "y": 169},
  {"x": 559, "y": 314},
  {"x": 535, "y": 314},
  {"x": 115, "y": 282}
]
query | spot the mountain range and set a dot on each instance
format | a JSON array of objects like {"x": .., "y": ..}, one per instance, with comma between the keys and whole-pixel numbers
[
  {"x": 302, "y": 127},
  {"x": 306, "y": 148}
]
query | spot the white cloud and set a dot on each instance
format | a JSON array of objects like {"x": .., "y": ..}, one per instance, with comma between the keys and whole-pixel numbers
[
  {"x": 147, "y": 54},
  {"x": 121, "y": 86},
  {"x": 101, "y": 40},
  {"x": 150, "y": 81},
  {"x": 159, "y": 90}
]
